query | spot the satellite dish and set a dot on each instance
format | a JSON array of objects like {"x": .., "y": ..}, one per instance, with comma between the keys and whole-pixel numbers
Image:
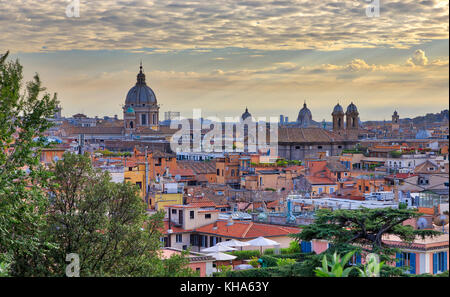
[
  {"x": 177, "y": 177},
  {"x": 422, "y": 223}
]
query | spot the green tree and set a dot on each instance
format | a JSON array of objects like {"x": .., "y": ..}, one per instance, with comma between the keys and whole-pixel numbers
[
  {"x": 362, "y": 230},
  {"x": 105, "y": 223},
  {"x": 24, "y": 117}
]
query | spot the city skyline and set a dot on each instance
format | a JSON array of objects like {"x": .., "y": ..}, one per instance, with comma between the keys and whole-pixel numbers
[{"x": 222, "y": 57}]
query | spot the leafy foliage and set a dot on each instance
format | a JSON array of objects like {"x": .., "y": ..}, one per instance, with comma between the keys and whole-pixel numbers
[
  {"x": 23, "y": 120},
  {"x": 337, "y": 266},
  {"x": 245, "y": 255},
  {"x": 285, "y": 261}
]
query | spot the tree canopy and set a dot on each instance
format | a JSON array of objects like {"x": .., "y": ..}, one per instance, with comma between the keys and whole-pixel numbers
[
  {"x": 363, "y": 228},
  {"x": 23, "y": 119}
]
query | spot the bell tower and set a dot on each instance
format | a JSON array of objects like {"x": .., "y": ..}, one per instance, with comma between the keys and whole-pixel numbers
[{"x": 338, "y": 119}]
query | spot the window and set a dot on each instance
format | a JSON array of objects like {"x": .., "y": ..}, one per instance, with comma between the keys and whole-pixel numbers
[
  {"x": 218, "y": 171},
  {"x": 213, "y": 240},
  {"x": 143, "y": 119},
  {"x": 179, "y": 238},
  {"x": 306, "y": 246},
  {"x": 130, "y": 168},
  {"x": 191, "y": 214},
  {"x": 439, "y": 262},
  {"x": 319, "y": 147},
  {"x": 297, "y": 147},
  {"x": 331, "y": 190},
  {"x": 407, "y": 260},
  {"x": 355, "y": 259},
  {"x": 207, "y": 216},
  {"x": 174, "y": 211},
  {"x": 139, "y": 184},
  {"x": 320, "y": 190},
  {"x": 232, "y": 172}
]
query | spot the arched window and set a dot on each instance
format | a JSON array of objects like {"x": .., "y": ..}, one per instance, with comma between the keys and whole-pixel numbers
[
  {"x": 339, "y": 123},
  {"x": 131, "y": 124}
]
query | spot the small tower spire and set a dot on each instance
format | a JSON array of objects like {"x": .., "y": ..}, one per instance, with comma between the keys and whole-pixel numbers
[{"x": 141, "y": 75}]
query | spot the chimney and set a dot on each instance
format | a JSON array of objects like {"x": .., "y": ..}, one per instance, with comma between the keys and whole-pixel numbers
[
  {"x": 230, "y": 221},
  {"x": 215, "y": 225}
]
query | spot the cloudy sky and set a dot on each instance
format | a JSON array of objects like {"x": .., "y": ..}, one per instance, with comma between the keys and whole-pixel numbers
[{"x": 224, "y": 55}]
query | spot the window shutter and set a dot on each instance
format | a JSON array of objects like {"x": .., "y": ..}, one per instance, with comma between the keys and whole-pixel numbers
[
  {"x": 445, "y": 261},
  {"x": 358, "y": 258},
  {"x": 412, "y": 259},
  {"x": 306, "y": 246},
  {"x": 435, "y": 263},
  {"x": 398, "y": 257}
]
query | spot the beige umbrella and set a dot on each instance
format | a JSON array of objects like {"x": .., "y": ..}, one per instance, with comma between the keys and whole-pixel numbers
[
  {"x": 234, "y": 243},
  {"x": 217, "y": 248},
  {"x": 261, "y": 241},
  {"x": 221, "y": 256}
]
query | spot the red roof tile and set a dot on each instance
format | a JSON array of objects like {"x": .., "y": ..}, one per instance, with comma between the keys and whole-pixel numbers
[{"x": 247, "y": 230}]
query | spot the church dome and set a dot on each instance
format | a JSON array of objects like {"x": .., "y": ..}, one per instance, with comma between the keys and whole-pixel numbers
[
  {"x": 352, "y": 108},
  {"x": 140, "y": 93},
  {"x": 338, "y": 109},
  {"x": 246, "y": 114},
  {"x": 304, "y": 116}
]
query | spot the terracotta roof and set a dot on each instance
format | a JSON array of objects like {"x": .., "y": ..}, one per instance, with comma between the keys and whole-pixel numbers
[
  {"x": 199, "y": 167},
  {"x": 401, "y": 175},
  {"x": 307, "y": 135},
  {"x": 273, "y": 204},
  {"x": 423, "y": 168},
  {"x": 93, "y": 130},
  {"x": 182, "y": 172},
  {"x": 161, "y": 154},
  {"x": 315, "y": 180},
  {"x": 336, "y": 166},
  {"x": 247, "y": 230}
]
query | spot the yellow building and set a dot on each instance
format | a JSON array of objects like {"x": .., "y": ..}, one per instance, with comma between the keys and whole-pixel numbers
[
  {"x": 135, "y": 173},
  {"x": 162, "y": 200}
]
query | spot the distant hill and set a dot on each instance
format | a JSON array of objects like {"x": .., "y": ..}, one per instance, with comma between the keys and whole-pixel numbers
[{"x": 428, "y": 118}]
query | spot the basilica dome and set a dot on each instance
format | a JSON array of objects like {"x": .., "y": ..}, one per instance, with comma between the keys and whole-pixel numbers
[
  {"x": 140, "y": 94},
  {"x": 245, "y": 115},
  {"x": 304, "y": 118}
]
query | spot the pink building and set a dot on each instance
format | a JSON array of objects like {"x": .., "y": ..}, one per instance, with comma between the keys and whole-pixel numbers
[
  {"x": 199, "y": 262},
  {"x": 429, "y": 255}
]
